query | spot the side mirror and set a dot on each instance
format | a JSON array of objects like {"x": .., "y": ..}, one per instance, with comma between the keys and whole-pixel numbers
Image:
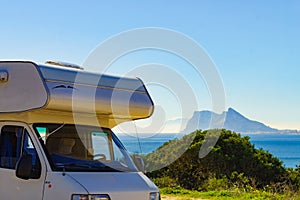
[
  {"x": 24, "y": 167},
  {"x": 139, "y": 162}
]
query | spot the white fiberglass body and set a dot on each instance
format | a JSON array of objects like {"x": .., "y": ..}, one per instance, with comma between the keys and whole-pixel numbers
[{"x": 55, "y": 134}]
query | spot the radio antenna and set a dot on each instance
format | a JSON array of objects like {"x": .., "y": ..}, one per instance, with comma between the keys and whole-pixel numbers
[{"x": 138, "y": 138}]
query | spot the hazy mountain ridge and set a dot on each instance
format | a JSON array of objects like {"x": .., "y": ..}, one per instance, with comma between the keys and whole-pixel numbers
[{"x": 231, "y": 120}]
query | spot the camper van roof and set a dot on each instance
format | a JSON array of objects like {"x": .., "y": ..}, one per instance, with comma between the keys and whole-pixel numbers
[
  {"x": 42, "y": 90},
  {"x": 71, "y": 75}
]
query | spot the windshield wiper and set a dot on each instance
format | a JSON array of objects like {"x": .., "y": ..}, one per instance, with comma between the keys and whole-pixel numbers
[
  {"x": 85, "y": 166},
  {"x": 72, "y": 165}
]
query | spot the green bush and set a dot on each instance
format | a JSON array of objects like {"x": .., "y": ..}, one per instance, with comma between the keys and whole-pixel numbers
[
  {"x": 232, "y": 162},
  {"x": 214, "y": 184},
  {"x": 165, "y": 182}
]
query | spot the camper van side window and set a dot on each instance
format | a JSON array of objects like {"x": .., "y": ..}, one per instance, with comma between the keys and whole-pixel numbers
[
  {"x": 15, "y": 142},
  {"x": 101, "y": 143}
]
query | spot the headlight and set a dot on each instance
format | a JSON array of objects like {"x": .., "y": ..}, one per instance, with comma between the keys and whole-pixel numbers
[
  {"x": 154, "y": 196},
  {"x": 90, "y": 197}
]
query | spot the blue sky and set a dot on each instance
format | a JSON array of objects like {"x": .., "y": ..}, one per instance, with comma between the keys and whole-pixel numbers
[{"x": 254, "y": 44}]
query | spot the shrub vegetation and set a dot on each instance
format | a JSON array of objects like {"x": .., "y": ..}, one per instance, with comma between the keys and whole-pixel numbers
[{"x": 233, "y": 164}]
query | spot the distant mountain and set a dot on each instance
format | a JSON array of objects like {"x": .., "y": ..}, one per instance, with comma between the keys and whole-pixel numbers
[{"x": 231, "y": 120}]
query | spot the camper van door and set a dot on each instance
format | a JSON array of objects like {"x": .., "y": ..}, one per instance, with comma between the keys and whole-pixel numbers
[{"x": 16, "y": 140}]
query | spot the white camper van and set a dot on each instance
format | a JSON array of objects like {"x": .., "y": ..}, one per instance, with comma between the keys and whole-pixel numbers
[{"x": 55, "y": 134}]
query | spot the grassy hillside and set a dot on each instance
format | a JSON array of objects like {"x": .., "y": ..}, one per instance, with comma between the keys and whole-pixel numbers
[{"x": 232, "y": 168}]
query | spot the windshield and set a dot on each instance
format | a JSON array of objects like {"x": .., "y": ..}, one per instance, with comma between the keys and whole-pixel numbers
[{"x": 83, "y": 148}]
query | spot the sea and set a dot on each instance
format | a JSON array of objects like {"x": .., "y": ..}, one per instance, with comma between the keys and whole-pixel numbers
[{"x": 284, "y": 146}]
